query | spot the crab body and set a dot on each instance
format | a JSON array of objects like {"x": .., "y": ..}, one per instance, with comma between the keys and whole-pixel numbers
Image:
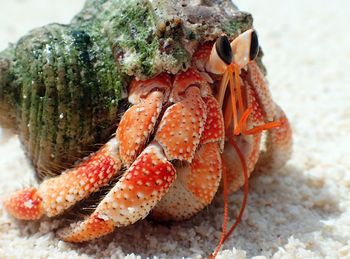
[{"x": 198, "y": 103}]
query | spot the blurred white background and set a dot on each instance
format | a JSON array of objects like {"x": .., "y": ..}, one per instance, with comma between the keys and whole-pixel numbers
[{"x": 19, "y": 16}]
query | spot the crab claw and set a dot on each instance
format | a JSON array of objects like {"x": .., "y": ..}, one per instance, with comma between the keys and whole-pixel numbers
[
  {"x": 194, "y": 188},
  {"x": 137, "y": 125},
  {"x": 197, "y": 182},
  {"x": 214, "y": 130},
  {"x": 25, "y": 204},
  {"x": 131, "y": 199},
  {"x": 182, "y": 125}
]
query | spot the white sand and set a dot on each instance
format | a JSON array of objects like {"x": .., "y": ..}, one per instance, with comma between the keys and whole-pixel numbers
[{"x": 300, "y": 211}]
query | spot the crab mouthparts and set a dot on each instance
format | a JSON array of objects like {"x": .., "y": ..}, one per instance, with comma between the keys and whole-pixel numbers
[{"x": 235, "y": 109}]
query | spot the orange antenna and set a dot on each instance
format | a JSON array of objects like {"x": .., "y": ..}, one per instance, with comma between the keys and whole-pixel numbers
[
  {"x": 225, "y": 235},
  {"x": 245, "y": 191},
  {"x": 224, "y": 224}
]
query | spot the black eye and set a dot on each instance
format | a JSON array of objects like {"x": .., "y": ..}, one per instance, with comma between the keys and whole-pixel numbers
[
  {"x": 254, "y": 46},
  {"x": 223, "y": 48}
]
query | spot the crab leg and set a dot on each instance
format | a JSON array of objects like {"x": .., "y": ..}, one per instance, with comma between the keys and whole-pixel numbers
[
  {"x": 279, "y": 140},
  {"x": 25, "y": 204},
  {"x": 131, "y": 199},
  {"x": 278, "y": 144},
  {"x": 57, "y": 194}
]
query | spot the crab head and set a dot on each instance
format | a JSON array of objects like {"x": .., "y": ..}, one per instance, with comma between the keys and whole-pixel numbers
[{"x": 227, "y": 60}]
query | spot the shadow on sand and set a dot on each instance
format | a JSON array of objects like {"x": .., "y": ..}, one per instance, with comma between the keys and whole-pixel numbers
[{"x": 281, "y": 204}]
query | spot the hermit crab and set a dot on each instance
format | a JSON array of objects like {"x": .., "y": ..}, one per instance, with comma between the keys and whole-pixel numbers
[{"x": 181, "y": 84}]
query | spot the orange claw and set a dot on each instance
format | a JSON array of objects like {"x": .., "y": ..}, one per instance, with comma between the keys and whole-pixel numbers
[
  {"x": 131, "y": 199},
  {"x": 197, "y": 183},
  {"x": 204, "y": 178},
  {"x": 194, "y": 188},
  {"x": 214, "y": 126},
  {"x": 182, "y": 125},
  {"x": 25, "y": 204}
]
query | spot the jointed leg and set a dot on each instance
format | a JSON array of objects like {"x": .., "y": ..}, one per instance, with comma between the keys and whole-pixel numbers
[
  {"x": 57, "y": 194},
  {"x": 279, "y": 139}
]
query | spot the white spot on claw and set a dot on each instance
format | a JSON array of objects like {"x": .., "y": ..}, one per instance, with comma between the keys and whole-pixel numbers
[
  {"x": 131, "y": 210},
  {"x": 28, "y": 204}
]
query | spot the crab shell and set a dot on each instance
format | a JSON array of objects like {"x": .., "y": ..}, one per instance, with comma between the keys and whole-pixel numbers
[{"x": 63, "y": 87}]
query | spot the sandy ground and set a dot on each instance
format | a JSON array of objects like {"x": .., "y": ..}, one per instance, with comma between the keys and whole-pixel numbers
[{"x": 300, "y": 211}]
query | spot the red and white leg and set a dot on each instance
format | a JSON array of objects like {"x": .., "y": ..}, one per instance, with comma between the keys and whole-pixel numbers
[
  {"x": 55, "y": 195},
  {"x": 138, "y": 122}
]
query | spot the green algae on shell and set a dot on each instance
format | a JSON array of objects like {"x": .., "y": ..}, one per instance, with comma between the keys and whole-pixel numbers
[
  {"x": 64, "y": 94},
  {"x": 61, "y": 86}
]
